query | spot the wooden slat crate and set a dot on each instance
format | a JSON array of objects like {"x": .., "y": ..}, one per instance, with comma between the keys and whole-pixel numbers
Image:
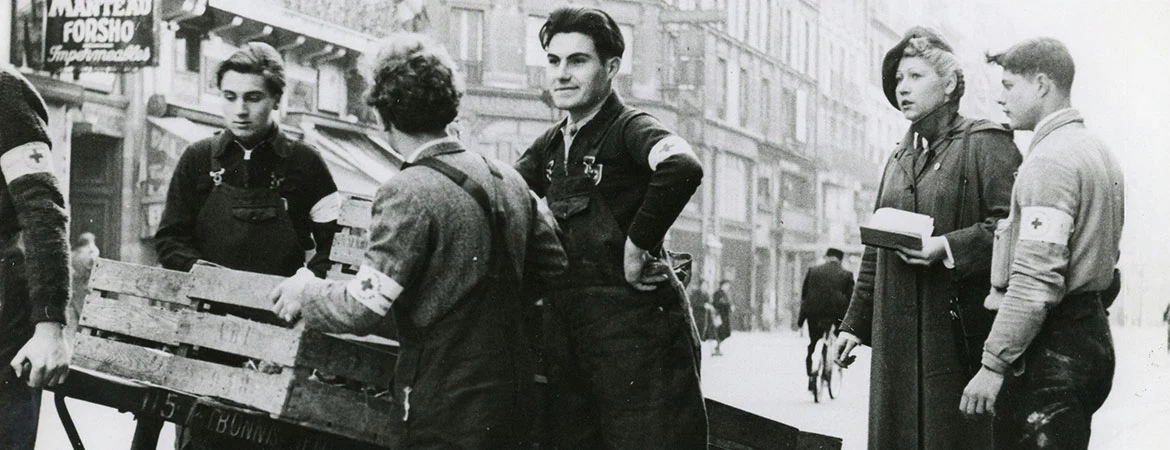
[
  {"x": 167, "y": 345},
  {"x": 349, "y": 245}
]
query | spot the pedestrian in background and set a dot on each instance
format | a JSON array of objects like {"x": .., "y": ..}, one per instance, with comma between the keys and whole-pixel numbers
[
  {"x": 921, "y": 311},
  {"x": 701, "y": 310},
  {"x": 1048, "y": 363},
  {"x": 34, "y": 262},
  {"x": 824, "y": 298},
  {"x": 623, "y": 362},
  {"x": 82, "y": 257},
  {"x": 456, "y": 275},
  {"x": 723, "y": 309}
]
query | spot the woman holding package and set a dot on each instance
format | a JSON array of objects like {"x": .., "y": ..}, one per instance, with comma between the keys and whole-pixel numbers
[{"x": 921, "y": 310}]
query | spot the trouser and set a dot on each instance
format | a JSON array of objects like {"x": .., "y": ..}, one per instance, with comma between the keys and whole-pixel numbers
[
  {"x": 816, "y": 329},
  {"x": 1068, "y": 373},
  {"x": 20, "y": 408},
  {"x": 622, "y": 372}
]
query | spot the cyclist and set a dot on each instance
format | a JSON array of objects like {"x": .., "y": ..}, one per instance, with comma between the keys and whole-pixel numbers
[{"x": 824, "y": 297}]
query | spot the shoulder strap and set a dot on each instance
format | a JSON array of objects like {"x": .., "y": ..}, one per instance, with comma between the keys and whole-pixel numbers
[{"x": 505, "y": 264}]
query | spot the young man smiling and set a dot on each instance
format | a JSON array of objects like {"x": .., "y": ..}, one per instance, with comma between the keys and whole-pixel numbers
[
  {"x": 623, "y": 370},
  {"x": 1052, "y": 276}
]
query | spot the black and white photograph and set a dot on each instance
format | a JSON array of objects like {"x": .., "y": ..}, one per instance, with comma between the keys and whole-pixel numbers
[{"x": 584, "y": 224}]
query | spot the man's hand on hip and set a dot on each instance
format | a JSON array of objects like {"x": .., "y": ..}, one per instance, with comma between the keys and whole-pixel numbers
[{"x": 643, "y": 271}]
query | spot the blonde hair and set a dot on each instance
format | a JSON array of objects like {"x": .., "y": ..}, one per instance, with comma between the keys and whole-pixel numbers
[{"x": 942, "y": 61}]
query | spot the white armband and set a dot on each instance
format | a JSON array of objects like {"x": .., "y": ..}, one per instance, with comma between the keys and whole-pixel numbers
[
  {"x": 33, "y": 157},
  {"x": 1045, "y": 224},
  {"x": 374, "y": 289},
  {"x": 669, "y": 146}
]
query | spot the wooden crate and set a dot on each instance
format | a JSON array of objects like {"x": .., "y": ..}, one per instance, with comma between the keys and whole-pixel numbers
[
  {"x": 166, "y": 344},
  {"x": 732, "y": 428},
  {"x": 349, "y": 244}
]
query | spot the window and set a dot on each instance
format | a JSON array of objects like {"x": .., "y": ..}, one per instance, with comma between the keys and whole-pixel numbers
[
  {"x": 807, "y": 53},
  {"x": 732, "y": 185},
  {"x": 745, "y": 100},
  {"x": 331, "y": 89},
  {"x": 801, "y": 118},
  {"x": 535, "y": 58},
  {"x": 188, "y": 50},
  {"x": 467, "y": 34},
  {"x": 766, "y": 106},
  {"x": 764, "y": 193},
  {"x": 721, "y": 89},
  {"x": 797, "y": 191},
  {"x": 790, "y": 34},
  {"x": 789, "y": 106}
]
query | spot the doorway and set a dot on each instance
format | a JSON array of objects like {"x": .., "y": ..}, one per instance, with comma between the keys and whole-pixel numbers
[{"x": 95, "y": 191}]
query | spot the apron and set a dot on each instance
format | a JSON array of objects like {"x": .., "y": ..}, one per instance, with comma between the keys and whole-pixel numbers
[{"x": 248, "y": 228}]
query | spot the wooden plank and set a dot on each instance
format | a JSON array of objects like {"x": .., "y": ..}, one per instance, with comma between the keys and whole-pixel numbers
[
  {"x": 233, "y": 287},
  {"x": 332, "y": 409},
  {"x": 355, "y": 361},
  {"x": 735, "y": 429},
  {"x": 348, "y": 248},
  {"x": 240, "y": 337},
  {"x": 814, "y": 441},
  {"x": 355, "y": 212},
  {"x": 118, "y": 316},
  {"x": 266, "y": 392},
  {"x": 138, "y": 280}
]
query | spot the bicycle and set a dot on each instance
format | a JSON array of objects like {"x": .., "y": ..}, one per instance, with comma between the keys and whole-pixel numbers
[{"x": 829, "y": 374}]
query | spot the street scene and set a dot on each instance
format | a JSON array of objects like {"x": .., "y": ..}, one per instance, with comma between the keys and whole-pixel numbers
[{"x": 281, "y": 221}]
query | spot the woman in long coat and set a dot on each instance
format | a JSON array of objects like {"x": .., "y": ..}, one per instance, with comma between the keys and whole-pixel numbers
[{"x": 921, "y": 310}]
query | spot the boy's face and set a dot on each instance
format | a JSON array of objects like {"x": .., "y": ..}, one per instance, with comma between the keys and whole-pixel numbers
[
  {"x": 578, "y": 79},
  {"x": 1021, "y": 100},
  {"x": 247, "y": 104}
]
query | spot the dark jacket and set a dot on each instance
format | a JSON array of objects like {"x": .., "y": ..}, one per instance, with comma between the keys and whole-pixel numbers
[
  {"x": 904, "y": 312},
  {"x": 34, "y": 253},
  {"x": 825, "y": 293},
  {"x": 307, "y": 180}
]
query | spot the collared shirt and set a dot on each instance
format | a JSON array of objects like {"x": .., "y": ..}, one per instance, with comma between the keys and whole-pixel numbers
[
  {"x": 570, "y": 128},
  {"x": 427, "y": 145},
  {"x": 1062, "y": 237},
  {"x": 1049, "y": 118}
]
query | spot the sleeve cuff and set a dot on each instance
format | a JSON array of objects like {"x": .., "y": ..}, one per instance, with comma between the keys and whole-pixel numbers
[
  {"x": 949, "y": 261},
  {"x": 994, "y": 363}
]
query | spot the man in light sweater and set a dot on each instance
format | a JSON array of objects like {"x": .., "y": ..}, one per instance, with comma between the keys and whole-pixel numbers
[{"x": 1049, "y": 358}]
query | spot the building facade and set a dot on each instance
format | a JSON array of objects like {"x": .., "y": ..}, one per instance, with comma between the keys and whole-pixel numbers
[{"x": 781, "y": 100}]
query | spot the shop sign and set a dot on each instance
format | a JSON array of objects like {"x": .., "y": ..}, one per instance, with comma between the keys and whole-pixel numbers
[{"x": 115, "y": 34}]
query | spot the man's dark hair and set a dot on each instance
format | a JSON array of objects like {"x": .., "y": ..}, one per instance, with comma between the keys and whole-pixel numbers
[
  {"x": 416, "y": 88},
  {"x": 835, "y": 253},
  {"x": 592, "y": 22},
  {"x": 256, "y": 58},
  {"x": 1039, "y": 55}
]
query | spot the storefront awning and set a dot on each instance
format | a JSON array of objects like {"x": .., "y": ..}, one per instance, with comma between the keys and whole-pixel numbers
[
  {"x": 183, "y": 129},
  {"x": 358, "y": 163}
]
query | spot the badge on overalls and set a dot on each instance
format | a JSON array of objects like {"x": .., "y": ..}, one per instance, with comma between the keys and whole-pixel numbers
[{"x": 593, "y": 170}]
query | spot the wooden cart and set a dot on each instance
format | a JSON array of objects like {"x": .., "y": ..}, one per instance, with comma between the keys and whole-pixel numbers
[{"x": 156, "y": 332}]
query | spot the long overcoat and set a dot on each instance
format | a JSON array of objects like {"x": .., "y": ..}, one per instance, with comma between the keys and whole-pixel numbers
[{"x": 919, "y": 367}]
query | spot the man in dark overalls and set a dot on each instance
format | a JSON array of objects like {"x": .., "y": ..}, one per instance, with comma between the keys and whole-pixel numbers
[
  {"x": 623, "y": 371},
  {"x": 34, "y": 263},
  {"x": 458, "y": 249},
  {"x": 250, "y": 197}
]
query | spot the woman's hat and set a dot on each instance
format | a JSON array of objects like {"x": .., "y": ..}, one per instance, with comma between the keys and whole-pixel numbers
[{"x": 894, "y": 56}]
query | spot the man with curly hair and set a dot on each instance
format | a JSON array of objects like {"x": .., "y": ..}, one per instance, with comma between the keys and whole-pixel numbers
[
  {"x": 34, "y": 263},
  {"x": 623, "y": 364},
  {"x": 459, "y": 250}
]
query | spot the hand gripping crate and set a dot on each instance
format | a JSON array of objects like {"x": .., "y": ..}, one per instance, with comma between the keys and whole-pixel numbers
[{"x": 176, "y": 344}]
